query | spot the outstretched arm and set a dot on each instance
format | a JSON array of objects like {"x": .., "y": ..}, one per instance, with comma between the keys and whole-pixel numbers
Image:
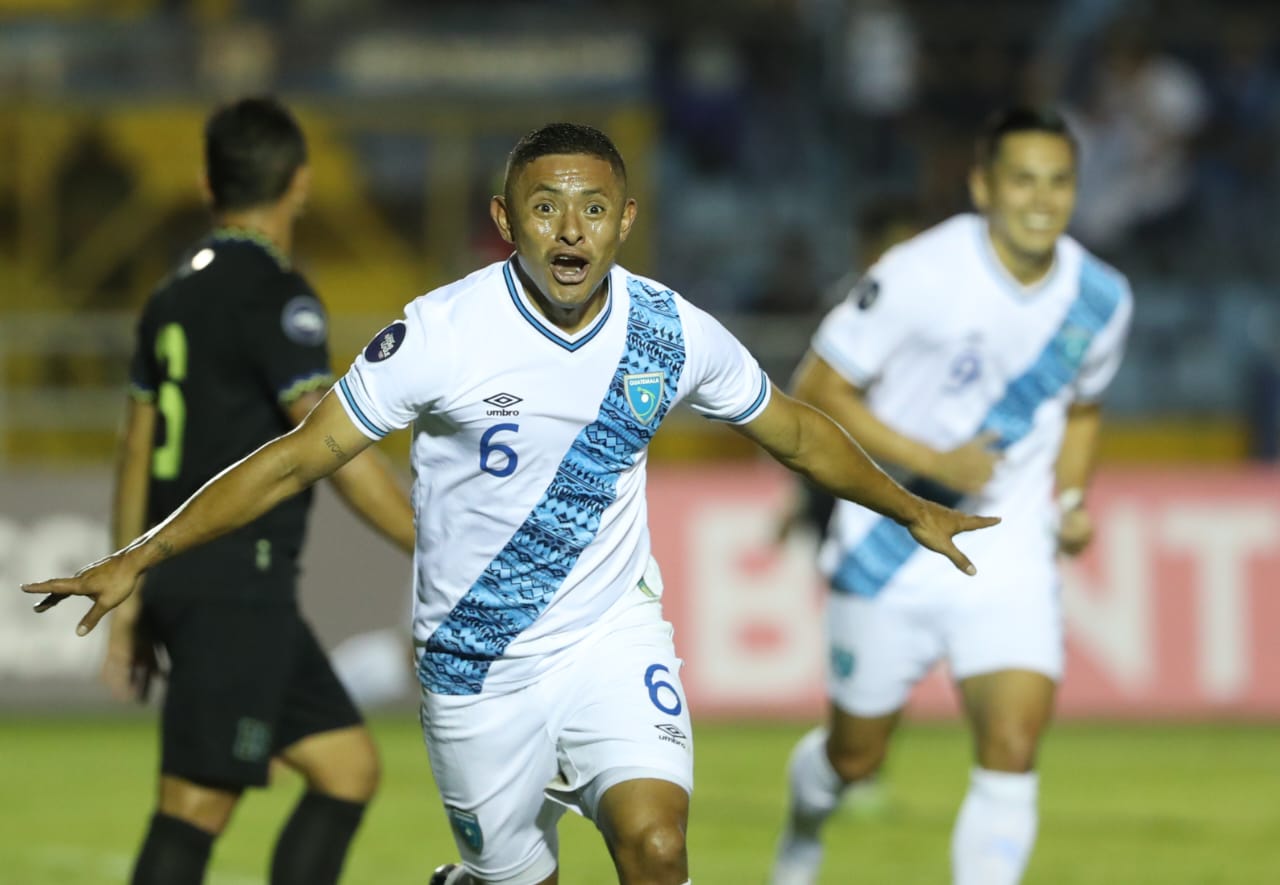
[
  {"x": 807, "y": 441},
  {"x": 130, "y": 663},
  {"x": 283, "y": 467},
  {"x": 368, "y": 486},
  {"x": 966, "y": 468}
]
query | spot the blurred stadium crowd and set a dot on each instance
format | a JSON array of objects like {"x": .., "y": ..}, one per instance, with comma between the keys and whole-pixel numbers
[{"x": 764, "y": 130}]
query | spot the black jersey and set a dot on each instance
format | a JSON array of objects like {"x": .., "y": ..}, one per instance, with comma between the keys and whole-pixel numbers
[{"x": 224, "y": 345}]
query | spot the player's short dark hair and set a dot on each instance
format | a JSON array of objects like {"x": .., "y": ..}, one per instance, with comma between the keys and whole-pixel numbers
[
  {"x": 1011, "y": 121},
  {"x": 252, "y": 148},
  {"x": 562, "y": 138}
]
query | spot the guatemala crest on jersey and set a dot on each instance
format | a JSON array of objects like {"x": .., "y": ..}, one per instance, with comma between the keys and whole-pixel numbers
[{"x": 644, "y": 394}]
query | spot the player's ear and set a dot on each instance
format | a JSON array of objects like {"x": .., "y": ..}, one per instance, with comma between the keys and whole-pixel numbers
[
  {"x": 979, "y": 188},
  {"x": 501, "y": 220},
  {"x": 299, "y": 188},
  {"x": 628, "y": 218}
]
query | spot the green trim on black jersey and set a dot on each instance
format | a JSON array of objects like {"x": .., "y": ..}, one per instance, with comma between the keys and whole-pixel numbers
[
  {"x": 257, "y": 238},
  {"x": 305, "y": 385}
]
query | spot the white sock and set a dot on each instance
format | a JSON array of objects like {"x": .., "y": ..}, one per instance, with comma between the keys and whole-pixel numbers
[
  {"x": 996, "y": 829},
  {"x": 814, "y": 795}
]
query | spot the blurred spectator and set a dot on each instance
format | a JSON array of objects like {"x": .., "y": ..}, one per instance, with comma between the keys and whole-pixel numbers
[
  {"x": 1240, "y": 163},
  {"x": 1136, "y": 127},
  {"x": 91, "y": 182},
  {"x": 879, "y": 81},
  {"x": 703, "y": 89},
  {"x": 238, "y": 59}
]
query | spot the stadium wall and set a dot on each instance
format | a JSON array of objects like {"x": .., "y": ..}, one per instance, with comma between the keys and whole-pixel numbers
[{"x": 1168, "y": 615}]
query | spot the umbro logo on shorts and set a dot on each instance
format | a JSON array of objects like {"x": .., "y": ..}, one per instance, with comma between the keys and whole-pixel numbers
[{"x": 671, "y": 734}]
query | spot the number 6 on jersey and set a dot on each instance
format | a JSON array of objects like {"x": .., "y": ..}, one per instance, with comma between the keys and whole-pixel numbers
[{"x": 487, "y": 449}]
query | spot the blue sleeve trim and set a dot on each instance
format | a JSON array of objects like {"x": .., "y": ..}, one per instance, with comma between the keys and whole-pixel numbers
[
  {"x": 750, "y": 410},
  {"x": 350, "y": 400}
]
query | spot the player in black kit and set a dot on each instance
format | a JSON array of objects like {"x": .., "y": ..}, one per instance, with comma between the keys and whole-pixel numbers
[{"x": 231, "y": 352}]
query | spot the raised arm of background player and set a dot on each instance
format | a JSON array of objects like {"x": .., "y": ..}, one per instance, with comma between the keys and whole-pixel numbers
[
  {"x": 798, "y": 436},
  {"x": 367, "y": 485},
  {"x": 802, "y": 438},
  {"x": 966, "y": 468}
]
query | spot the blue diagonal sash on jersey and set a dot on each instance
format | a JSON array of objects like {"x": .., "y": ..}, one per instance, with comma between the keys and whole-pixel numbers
[
  {"x": 872, "y": 563},
  {"x": 522, "y": 579}
]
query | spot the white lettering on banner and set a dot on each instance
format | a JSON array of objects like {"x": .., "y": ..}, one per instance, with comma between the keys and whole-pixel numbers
[
  {"x": 45, "y": 645},
  {"x": 1222, "y": 539},
  {"x": 757, "y": 630},
  {"x": 1113, "y": 622}
]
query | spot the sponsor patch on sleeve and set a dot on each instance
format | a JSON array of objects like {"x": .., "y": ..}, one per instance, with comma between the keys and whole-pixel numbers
[
  {"x": 865, "y": 293},
  {"x": 303, "y": 321},
  {"x": 386, "y": 342}
]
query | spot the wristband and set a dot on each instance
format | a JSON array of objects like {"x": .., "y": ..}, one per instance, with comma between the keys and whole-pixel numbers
[{"x": 1070, "y": 499}]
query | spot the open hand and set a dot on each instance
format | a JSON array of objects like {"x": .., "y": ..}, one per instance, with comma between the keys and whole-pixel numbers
[
  {"x": 108, "y": 582},
  {"x": 937, "y": 525}
]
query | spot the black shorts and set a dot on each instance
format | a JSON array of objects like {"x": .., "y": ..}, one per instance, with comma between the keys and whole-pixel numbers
[{"x": 246, "y": 680}]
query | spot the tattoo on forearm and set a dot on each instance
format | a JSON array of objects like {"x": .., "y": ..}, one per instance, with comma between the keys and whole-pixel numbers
[
  {"x": 334, "y": 447},
  {"x": 165, "y": 549}
]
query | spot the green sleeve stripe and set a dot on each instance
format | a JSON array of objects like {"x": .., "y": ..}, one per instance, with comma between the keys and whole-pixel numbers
[{"x": 305, "y": 385}]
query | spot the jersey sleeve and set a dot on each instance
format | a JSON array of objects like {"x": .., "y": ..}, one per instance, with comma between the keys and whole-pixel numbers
[
  {"x": 400, "y": 374},
  {"x": 860, "y": 333},
  {"x": 287, "y": 335},
  {"x": 144, "y": 373},
  {"x": 1106, "y": 352},
  {"x": 724, "y": 381}
]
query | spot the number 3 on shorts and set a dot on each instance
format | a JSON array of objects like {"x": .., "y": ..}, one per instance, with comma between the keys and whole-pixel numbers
[{"x": 660, "y": 690}]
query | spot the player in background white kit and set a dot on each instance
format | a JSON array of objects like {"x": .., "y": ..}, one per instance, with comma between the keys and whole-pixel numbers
[
  {"x": 549, "y": 678},
  {"x": 969, "y": 361}
]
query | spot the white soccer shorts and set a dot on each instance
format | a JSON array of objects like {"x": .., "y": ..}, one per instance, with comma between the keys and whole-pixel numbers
[
  {"x": 881, "y": 646},
  {"x": 508, "y": 765}
]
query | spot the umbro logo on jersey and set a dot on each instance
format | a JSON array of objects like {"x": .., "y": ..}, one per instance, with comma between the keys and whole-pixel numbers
[
  {"x": 671, "y": 734},
  {"x": 502, "y": 403}
]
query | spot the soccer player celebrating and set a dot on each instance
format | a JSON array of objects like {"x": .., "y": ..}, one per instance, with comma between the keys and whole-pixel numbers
[
  {"x": 549, "y": 679},
  {"x": 971, "y": 359},
  {"x": 231, "y": 353}
]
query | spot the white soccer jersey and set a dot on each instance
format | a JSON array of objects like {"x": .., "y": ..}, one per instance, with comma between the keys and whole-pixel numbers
[
  {"x": 529, "y": 457},
  {"x": 947, "y": 345}
]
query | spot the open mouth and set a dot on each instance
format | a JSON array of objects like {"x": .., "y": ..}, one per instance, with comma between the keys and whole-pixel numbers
[{"x": 569, "y": 270}]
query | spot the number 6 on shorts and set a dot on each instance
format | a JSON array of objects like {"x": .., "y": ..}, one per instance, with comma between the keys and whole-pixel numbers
[{"x": 656, "y": 686}]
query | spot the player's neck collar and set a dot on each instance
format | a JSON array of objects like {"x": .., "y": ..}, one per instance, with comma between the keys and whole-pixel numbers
[
  {"x": 1011, "y": 284},
  {"x": 546, "y": 327},
  {"x": 231, "y": 233}
]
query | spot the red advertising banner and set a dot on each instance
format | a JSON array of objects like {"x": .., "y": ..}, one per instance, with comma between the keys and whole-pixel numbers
[{"x": 1174, "y": 611}]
